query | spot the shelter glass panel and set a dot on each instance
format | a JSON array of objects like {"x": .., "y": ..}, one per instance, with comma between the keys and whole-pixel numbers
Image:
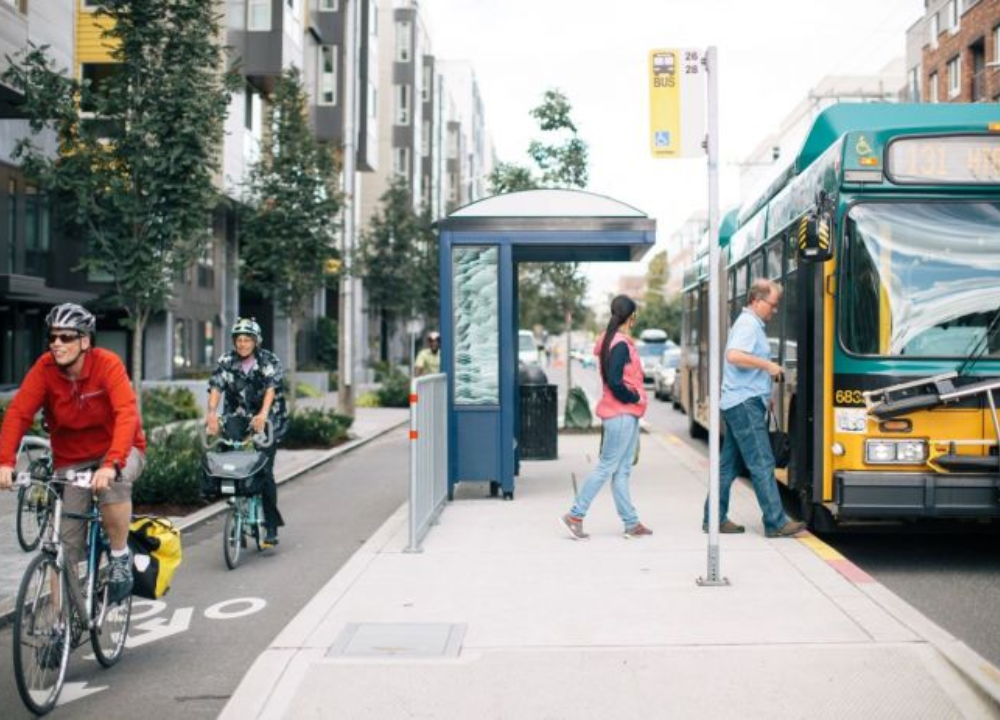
[{"x": 477, "y": 330}]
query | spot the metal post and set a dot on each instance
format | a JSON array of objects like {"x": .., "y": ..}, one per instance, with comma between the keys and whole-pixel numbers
[
  {"x": 348, "y": 298},
  {"x": 712, "y": 577}
]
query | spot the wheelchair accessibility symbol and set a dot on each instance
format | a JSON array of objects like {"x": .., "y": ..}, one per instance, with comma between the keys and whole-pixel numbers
[{"x": 661, "y": 138}]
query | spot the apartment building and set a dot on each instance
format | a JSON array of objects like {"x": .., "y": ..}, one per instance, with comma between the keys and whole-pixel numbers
[{"x": 953, "y": 52}]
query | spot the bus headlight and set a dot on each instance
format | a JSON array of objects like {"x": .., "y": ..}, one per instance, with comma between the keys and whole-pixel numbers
[{"x": 900, "y": 452}]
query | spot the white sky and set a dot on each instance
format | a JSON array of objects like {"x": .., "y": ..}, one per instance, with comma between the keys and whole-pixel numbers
[{"x": 771, "y": 52}]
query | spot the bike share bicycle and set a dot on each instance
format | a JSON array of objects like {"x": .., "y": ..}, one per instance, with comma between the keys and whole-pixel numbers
[
  {"x": 237, "y": 474},
  {"x": 55, "y": 607}
]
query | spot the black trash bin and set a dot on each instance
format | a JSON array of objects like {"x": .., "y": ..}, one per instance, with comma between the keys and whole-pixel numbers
[{"x": 538, "y": 426}]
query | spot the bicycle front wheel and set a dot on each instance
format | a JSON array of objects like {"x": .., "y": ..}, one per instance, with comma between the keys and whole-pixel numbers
[
  {"x": 232, "y": 535},
  {"x": 41, "y": 634},
  {"x": 34, "y": 508},
  {"x": 111, "y": 621}
]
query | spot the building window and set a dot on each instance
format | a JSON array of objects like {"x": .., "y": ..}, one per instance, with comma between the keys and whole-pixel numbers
[
  {"x": 182, "y": 347},
  {"x": 935, "y": 30},
  {"x": 259, "y": 15},
  {"x": 425, "y": 139},
  {"x": 206, "y": 266},
  {"x": 932, "y": 88},
  {"x": 914, "y": 84},
  {"x": 12, "y": 226},
  {"x": 372, "y": 101},
  {"x": 401, "y": 160},
  {"x": 328, "y": 5},
  {"x": 404, "y": 41},
  {"x": 207, "y": 344},
  {"x": 402, "y": 104},
  {"x": 425, "y": 89},
  {"x": 37, "y": 236},
  {"x": 954, "y": 77},
  {"x": 996, "y": 44},
  {"x": 248, "y": 98},
  {"x": 953, "y": 16},
  {"x": 327, "y": 75}
]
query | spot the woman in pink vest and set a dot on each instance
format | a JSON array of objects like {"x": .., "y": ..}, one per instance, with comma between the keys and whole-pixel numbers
[{"x": 622, "y": 404}]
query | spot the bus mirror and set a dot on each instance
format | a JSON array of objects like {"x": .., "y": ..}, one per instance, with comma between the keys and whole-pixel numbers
[{"x": 814, "y": 236}]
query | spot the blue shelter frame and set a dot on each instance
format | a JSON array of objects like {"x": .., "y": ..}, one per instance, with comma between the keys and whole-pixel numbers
[{"x": 481, "y": 245}]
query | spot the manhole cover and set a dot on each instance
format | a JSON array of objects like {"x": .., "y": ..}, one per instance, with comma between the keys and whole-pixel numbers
[{"x": 399, "y": 640}]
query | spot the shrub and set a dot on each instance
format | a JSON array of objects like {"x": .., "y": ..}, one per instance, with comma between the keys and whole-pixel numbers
[
  {"x": 305, "y": 390},
  {"x": 173, "y": 470},
  {"x": 395, "y": 391},
  {"x": 313, "y": 428},
  {"x": 166, "y": 405},
  {"x": 367, "y": 400}
]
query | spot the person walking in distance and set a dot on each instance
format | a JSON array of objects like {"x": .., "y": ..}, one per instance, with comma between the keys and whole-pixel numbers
[
  {"x": 747, "y": 377},
  {"x": 622, "y": 403},
  {"x": 428, "y": 360}
]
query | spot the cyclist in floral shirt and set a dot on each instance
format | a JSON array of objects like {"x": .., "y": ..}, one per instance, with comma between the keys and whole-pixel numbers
[{"x": 251, "y": 381}]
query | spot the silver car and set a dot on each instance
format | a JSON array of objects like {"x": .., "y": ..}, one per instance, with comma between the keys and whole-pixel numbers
[{"x": 665, "y": 373}]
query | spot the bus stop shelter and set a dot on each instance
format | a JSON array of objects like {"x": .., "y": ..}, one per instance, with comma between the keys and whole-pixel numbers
[{"x": 481, "y": 245}]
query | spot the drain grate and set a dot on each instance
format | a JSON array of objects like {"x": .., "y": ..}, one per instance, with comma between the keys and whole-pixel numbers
[{"x": 408, "y": 640}]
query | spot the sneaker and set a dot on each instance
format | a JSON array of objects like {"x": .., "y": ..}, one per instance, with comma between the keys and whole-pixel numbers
[
  {"x": 727, "y": 527},
  {"x": 270, "y": 539},
  {"x": 638, "y": 530},
  {"x": 790, "y": 528},
  {"x": 119, "y": 578},
  {"x": 575, "y": 526}
]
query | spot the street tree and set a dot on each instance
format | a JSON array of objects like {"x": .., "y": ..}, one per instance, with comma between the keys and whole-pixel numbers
[
  {"x": 292, "y": 201},
  {"x": 132, "y": 178},
  {"x": 659, "y": 311}
]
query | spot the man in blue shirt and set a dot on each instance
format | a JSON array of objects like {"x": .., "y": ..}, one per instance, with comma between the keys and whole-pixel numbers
[{"x": 746, "y": 395}]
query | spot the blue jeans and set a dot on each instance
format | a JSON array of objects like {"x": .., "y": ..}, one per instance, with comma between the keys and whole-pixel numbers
[
  {"x": 621, "y": 435},
  {"x": 747, "y": 438}
]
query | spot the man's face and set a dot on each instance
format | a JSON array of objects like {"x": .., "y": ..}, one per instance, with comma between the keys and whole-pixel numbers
[
  {"x": 67, "y": 345},
  {"x": 765, "y": 308},
  {"x": 245, "y": 345},
  {"x": 434, "y": 344}
]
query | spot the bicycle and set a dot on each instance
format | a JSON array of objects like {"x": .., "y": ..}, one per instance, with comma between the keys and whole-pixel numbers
[
  {"x": 51, "y": 616},
  {"x": 34, "y": 502},
  {"x": 236, "y": 473}
]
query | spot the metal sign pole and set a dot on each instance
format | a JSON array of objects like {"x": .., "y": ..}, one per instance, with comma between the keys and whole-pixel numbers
[
  {"x": 348, "y": 311},
  {"x": 712, "y": 577}
]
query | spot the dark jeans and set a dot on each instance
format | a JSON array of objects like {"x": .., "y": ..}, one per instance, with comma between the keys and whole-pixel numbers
[
  {"x": 269, "y": 493},
  {"x": 747, "y": 439}
]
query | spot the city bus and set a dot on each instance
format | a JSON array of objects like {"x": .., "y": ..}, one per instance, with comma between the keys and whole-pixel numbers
[{"x": 885, "y": 237}]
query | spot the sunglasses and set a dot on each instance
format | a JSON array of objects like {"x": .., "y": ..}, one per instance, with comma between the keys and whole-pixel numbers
[{"x": 64, "y": 338}]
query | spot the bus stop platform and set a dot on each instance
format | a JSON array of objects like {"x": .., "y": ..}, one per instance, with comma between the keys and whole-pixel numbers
[{"x": 503, "y": 615}]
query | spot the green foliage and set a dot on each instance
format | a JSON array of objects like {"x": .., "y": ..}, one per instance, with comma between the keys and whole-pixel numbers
[
  {"x": 161, "y": 406},
  {"x": 394, "y": 391},
  {"x": 305, "y": 390},
  {"x": 133, "y": 181},
  {"x": 658, "y": 312},
  {"x": 367, "y": 400},
  {"x": 314, "y": 428},
  {"x": 510, "y": 177},
  {"x": 326, "y": 343},
  {"x": 173, "y": 470}
]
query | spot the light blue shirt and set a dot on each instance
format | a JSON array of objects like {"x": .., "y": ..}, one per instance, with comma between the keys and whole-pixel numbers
[{"x": 740, "y": 384}]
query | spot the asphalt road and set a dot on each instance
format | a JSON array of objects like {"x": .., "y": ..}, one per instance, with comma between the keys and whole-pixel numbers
[
  {"x": 188, "y": 654},
  {"x": 950, "y": 573}
]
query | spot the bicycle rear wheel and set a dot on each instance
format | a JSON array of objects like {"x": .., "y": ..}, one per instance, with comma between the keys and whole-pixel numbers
[
  {"x": 34, "y": 508},
  {"x": 232, "y": 534},
  {"x": 41, "y": 634},
  {"x": 111, "y": 621}
]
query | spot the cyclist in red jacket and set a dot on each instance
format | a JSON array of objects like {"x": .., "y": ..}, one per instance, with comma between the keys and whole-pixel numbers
[{"x": 93, "y": 420}]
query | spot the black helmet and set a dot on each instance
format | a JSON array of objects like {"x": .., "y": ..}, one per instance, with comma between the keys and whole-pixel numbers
[{"x": 73, "y": 317}]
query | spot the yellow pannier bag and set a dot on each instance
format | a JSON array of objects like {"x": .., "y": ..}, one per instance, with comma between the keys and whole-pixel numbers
[{"x": 156, "y": 554}]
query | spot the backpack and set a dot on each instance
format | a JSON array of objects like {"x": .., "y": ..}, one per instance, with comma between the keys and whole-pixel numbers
[{"x": 156, "y": 554}]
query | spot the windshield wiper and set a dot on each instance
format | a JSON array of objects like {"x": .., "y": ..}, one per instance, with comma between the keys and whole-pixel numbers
[{"x": 983, "y": 344}]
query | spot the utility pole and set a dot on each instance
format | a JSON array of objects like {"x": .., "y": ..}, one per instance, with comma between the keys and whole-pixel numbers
[{"x": 347, "y": 310}]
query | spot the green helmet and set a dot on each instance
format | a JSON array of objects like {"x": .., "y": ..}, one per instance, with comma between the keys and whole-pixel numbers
[{"x": 247, "y": 326}]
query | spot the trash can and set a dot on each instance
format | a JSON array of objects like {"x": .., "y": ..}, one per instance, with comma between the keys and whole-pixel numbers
[{"x": 538, "y": 426}]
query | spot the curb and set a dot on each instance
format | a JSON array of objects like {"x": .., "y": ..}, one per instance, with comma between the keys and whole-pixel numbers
[
  {"x": 979, "y": 672},
  {"x": 189, "y": 522}
]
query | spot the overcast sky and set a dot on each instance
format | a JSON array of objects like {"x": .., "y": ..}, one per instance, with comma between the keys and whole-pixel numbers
[{"x": 771, "y": 52}]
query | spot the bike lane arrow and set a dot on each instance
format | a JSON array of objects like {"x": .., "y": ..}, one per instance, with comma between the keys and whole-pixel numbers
[
  {"x": 159, "y": 628},
  {"x": 76, "y": 691}
]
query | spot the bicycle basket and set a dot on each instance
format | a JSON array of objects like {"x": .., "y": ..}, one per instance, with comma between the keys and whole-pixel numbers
[{"x": 237, "y": 472}]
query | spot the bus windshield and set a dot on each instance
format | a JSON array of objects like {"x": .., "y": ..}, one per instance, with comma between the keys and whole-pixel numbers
[{"x": 921, "y": 279}]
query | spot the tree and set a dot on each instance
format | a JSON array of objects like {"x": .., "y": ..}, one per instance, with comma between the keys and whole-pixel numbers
[
  {"x": 134, "y": 180},
  {"x": 657, "y": 310},
  {"x": 289, "y": 229}
]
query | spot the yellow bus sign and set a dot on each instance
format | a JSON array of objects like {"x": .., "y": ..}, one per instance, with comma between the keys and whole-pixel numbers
[{"x": 676, "y": 103}]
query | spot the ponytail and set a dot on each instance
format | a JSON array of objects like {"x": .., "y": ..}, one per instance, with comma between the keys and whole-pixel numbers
[{"x": 622, "y": 308}]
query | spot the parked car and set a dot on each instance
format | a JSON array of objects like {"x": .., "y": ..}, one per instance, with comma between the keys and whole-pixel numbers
[
  {"x": 651, "y": 352},
  {"x": 666, "y": 373},
  {"x": 527, "y": 349}
]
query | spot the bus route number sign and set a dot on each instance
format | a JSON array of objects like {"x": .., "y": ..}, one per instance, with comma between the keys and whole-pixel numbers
[{"x": 955, "y": 160}]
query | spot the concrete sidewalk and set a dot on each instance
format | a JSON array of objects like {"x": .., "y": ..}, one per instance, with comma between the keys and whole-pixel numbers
[
  {"x": 504, "y": 616},
  {"x": 369, "y": 423}
]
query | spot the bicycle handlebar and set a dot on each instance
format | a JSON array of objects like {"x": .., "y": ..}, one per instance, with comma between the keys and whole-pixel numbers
[
  {"x": 70, "y": 476},
  {"x": 262, "y": 440}
]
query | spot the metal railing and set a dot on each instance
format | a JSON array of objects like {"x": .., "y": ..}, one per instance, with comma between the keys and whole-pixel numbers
[{"x": 428, "y": 455}]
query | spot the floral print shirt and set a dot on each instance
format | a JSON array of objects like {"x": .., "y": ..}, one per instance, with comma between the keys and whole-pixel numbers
[{"x": 243, "y": 392}]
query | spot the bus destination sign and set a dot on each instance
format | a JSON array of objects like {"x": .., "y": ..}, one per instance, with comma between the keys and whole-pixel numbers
[{"x": 953, "y": 160}]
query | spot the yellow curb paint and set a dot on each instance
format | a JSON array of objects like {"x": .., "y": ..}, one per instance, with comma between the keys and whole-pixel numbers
[{"x": 820, "y": 548}]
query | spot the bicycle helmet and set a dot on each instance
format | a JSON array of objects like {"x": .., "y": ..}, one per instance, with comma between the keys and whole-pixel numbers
[
  {"x": 72, "y": 317},
  {"x": 247, "y": 326}
]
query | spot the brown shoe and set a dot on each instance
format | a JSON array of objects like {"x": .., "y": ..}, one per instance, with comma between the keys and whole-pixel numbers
[
  {"x": 789, "y": 529},
  {"x": 638, "y": 530},
  {"x": 727, "y": 527}
]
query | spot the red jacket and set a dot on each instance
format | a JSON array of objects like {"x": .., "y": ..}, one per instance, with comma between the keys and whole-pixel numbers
[{"x": 92, "y": 417}]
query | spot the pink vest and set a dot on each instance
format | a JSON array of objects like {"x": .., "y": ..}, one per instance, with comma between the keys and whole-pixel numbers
[{"x": 610, "y": 406}]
